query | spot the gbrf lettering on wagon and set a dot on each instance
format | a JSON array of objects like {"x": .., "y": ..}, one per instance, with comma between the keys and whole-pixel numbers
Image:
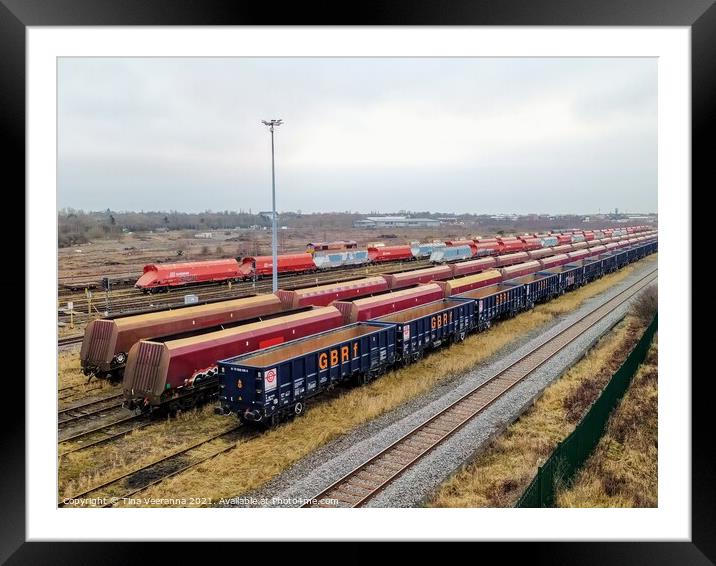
[
  {"x": 274, "y": 384},
  {"x": 428, "y": 326}
]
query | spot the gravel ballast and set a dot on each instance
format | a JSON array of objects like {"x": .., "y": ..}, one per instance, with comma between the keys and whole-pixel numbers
[{"x": 317, "y": 471}]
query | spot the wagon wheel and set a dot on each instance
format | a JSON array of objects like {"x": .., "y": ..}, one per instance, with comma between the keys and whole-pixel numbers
[
  {"x": 111, "y": 377},
  {"x": 188, "y": 403}
]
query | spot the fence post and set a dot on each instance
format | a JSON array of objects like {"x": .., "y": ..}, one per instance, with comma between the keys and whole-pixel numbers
[{"x": 539, "y": 486}]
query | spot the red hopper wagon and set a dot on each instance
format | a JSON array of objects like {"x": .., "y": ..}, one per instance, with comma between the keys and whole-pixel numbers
[
  {"x": 323, "y": 295},
  {"x": 511, "y": 259},
  {"x": 512, "y": 271},
  {"x": 472, "y": 266},
  {"x": 390, "y": 253},
  {"x": 511, "y": 245},
  {"x": 262, "y": 266},
  {"x": 180, "y": 372},
  {"x": 417, "y": 276},
  {"x": 107, "y": 342},
  {"x": 463, "y": 284},
  {"x": 161, "y": 276},
  {"x": 380, "y": 305}
]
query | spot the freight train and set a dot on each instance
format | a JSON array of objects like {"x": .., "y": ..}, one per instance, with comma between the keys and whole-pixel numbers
[
  {"x": 273, "y": 384},
  {"x": 331, "y": 255},
  {"x": 338, "y": 245},
  {"x": 163, "y": 372},
  {"x": 107, "y": 341}
]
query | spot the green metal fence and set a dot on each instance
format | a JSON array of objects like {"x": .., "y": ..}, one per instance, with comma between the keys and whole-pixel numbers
[{"x": 574, "y": 450}]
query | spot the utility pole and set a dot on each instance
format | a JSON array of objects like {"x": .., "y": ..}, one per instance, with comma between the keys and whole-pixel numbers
[{"x": 271, "y": 124}]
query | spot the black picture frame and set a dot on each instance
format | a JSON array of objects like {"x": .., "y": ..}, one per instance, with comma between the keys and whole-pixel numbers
[{"x": 17, "y": 15}]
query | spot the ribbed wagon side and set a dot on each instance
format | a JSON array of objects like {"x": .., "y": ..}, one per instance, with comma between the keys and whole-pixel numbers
[
  {"x": 323, "y": 295},
  {"x": 417, "y": 276},
  {"x": 106, "y": 342},
  {"x": 380, "y": 305},
  {"x": 170, "y": 372}
]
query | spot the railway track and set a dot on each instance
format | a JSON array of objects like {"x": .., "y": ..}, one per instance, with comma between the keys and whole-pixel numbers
[
  {"x": 73, "y": 417},
  {"x": 104, "y": 433},
  {"x": 69, "y": 341},
  {"x": 134, "y": 302},
  {"x": 76, "y": 411},
  {"x": 72, "y": 390},
  {"x": 116, "y": 489},
  {"x": 370, "y": 478}
]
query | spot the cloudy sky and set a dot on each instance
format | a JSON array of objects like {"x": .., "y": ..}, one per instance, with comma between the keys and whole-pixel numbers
[{"x": 476, "y": 135}]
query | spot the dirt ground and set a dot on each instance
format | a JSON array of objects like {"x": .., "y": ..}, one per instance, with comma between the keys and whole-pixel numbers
[{"x": 131, "y": 252}]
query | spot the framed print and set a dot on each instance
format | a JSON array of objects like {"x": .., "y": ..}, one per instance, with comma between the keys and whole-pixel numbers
[{"x": 293, "y": 257}]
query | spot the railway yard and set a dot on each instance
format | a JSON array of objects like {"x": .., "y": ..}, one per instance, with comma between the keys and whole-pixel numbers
[{"x": 182, "y": 411}]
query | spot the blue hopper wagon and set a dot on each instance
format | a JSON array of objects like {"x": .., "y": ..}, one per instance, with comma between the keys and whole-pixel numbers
[
  {"x": 539, "y": 287},
  {"x": 273, "y": 384},
  {"x": 428, "y": 326},
  {"x": 570, "y": 276},
  {"x": 609, "y": 262},
  {"x": 495, "y": 301},
  {"x": 451, "y": 253}
]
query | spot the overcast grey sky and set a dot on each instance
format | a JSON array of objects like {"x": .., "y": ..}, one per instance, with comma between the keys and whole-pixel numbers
[{"x": 476, "y": 135}]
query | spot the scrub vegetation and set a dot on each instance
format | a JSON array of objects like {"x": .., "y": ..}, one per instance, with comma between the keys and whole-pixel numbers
[
  {"x": 499, "y": 474},
  {"x": 86, "y": 468},
  {"x": 623, "y": 470}
]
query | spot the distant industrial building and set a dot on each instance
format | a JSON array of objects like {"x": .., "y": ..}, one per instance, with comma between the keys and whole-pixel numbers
[
  {"x": 452, "y": 220},
  {"x": 395, "y": 222}
]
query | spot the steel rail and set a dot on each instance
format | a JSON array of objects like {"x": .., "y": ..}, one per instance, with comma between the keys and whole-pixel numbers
[
  {"x": 375, "y": 474},
  {"x": 154, "y": 463},
  {"x": 105, "y": 439},
  {"x": 133, "y": 303},
  {"x": 100, "y": 428},
  {"x": 89, "y": 404},
  {"x": 85, "y": 416},
  {"x": 69, "y": 340}
]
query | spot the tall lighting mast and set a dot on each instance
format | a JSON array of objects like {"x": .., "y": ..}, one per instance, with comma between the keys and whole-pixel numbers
[{"x": 271, "y": 125}]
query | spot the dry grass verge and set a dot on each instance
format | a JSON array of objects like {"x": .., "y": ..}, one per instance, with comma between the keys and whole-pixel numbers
[
  {"x": 68, "y": 369},
  {"x": 500, "y": 473},
  {"x": 63, "y": 331},
  {"x": 70, "y": 375},
  {"x": 93, "y": 466},
  {"x": 623, "y": 472},
  {"x": 260, "y": 459}
]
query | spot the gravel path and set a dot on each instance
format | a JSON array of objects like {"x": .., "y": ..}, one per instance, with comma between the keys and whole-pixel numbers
[{"x": 326, "y": 465}]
